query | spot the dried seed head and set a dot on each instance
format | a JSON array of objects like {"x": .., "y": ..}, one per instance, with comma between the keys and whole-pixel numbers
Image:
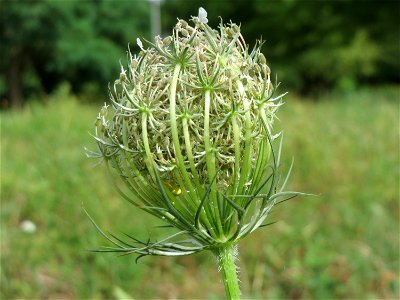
[
  {"x": 188, "y": 117},
  {"x": 203, "y": 59}
]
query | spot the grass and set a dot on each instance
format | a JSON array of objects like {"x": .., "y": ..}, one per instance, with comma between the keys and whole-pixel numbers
[{"x": 342, "y": 244}]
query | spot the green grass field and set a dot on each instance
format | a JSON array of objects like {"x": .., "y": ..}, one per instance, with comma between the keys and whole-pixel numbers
[{"x": 342, "y": 244}]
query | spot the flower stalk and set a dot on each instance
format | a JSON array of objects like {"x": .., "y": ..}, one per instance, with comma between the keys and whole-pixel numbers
[{"x": 226, "y": 256}]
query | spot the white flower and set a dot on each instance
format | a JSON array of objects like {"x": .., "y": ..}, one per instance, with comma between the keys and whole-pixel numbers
[
  {"x": 28, "y": 226},
  {"x": 139, "y": 43},
  {"x": 203, "y": 15}
]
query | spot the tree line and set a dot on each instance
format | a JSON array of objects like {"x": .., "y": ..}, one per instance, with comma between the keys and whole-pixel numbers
[{"x": 311, "y": 46}]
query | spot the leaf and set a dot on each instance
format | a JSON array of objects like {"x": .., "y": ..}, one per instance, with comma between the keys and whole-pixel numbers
[
  {"x": 120, "y": 294},
  {"x": 197, "y": 216}
]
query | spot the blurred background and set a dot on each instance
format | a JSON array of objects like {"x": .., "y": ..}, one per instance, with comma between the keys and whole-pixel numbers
[{"x": 340, "y": 62}]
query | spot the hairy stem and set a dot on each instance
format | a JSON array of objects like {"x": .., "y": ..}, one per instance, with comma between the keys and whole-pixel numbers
[{"x": 226, "y": 256}]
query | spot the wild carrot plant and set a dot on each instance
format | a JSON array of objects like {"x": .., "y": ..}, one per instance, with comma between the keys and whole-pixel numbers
[{"x": 190, "y": 133}]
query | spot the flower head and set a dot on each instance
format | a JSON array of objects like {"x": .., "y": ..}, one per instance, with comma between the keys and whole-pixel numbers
[{"x": 190, "y": 133}]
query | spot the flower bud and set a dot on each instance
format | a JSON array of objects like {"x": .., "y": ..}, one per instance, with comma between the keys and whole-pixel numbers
[
  {"x": 235, "y": 28},
  {"x": 184, "y": 32},
  {"x": 188, "y": 135},
  {"x": 134, "y": 63},
  {"x": 183, "y": 23},
  {"x": 166, "y": 41},
  {"x": 261, "y": 59}
]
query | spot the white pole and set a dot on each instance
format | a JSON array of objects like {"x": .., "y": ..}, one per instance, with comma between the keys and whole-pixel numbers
[{"x": 155, "y": 17}]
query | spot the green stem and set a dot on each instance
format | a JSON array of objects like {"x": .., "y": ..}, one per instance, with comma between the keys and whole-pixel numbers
[
  {"x": 210, "y": 161},
  {"x": 246, "y": 163},
  {"x": 196, "y": 176},
  {"x": 226, "y": 256},
  {"x": 149, "y": 157},
  {"x": 236, "y": 139},
  {"x": 180, "y": 161}
]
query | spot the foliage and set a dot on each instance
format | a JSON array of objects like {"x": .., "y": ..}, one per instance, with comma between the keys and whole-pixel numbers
[
  {"x": 72, "y": 41},
  {"x": 315, "y": 44},
  {"x": 341, "y": 244}
]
